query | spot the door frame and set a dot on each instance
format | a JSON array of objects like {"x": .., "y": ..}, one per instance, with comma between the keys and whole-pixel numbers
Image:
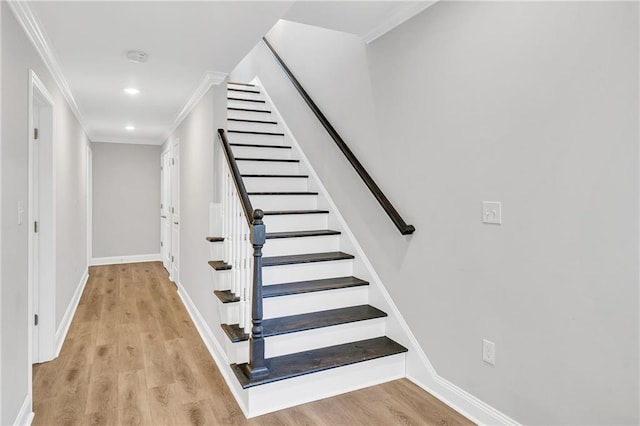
[
  {"x": 165, "y": 200},
  {"x": 41, "y": 297},
  {"x": 174, "y": 215}
]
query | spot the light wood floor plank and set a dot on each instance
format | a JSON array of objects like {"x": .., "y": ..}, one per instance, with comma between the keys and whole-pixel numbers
[{"x": 133, "y": 357}]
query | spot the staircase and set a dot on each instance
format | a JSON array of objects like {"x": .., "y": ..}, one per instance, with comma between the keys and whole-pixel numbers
[{"x": 322, "y": 337}]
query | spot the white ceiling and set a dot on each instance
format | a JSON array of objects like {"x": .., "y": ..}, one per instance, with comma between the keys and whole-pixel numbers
[{"x": 185, "y": 41}]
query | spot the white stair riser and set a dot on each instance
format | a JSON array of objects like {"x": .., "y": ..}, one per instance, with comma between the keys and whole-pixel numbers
[
  {"x": 275, "y": 184},
  {"x": 300, "y": 245},
  {"x": 229, "y": 312},
  {"x": 313, "y": 339},
  {"x": 274, "y": 307},
  {"x": 250, "y": 115},
  {"x": 284, "y": 202},
  {"x": 244, "y": 95},
  {"x": 268, "y": 167},
  {"x": 295, "y": 222},
  {"x": 255, "y": 152},
  {"x": 220, "y": 279},
  {"x": 295, "y": 304},
  {"x": 235, "y": 85},
  {"x": 311, "y": 387},
  {"x": 253, "y": 127},
  {"x": 250, "y": 105},
  {"x": 252, "y": 138},
  {"x": 306, "y": 271}
]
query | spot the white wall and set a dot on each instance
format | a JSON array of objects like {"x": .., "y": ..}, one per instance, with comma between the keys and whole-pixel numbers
[
  {"x": 519, "y": 102},
  {"x": 197, "y": 135},
  {"x": 18, "y": 56},
  {"x": 126, "y": 200}
]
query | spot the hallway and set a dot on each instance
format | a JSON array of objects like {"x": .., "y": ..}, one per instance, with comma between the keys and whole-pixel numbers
[{"x": 133, "y": 357}]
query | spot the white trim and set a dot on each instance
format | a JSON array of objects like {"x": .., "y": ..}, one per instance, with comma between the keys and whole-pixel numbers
[
  {"x": 209, "y": 79},
  {"x": 65, "y": 323},
  {"x": 455, "y": 397},
  {"x": 114, "y": 260},
  {"x": 458, "y": 399},
  {"x": 155, "y": 142},
  {"x": 46, "y": 291},
  {"x": 25, "y": 415},
  {"x": 396, "y": 19},
  {"x": 217, "y": 352},
  {"x": 40, "y": 41}
]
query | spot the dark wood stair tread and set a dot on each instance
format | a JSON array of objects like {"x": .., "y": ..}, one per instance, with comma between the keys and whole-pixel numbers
[
  {"x": 257, "y": 145},
  {"x": 260, "y": 101},
  {"x": 310, "y": 286},
  {"x": 274, "y": 176},
  {"x": 283, "y": 193},
  {"x": 243, "y": 90},
  {"x": 309, "y": 321},
  {"x": 215, "y": 239},
  {"x": 286, "y": 212},
  {"x": 226, "y": 296},
  {"x": 281, "y": 160},
  {"x": 255, "y": 132},
  {"x": 241, "y": 84},
  {"x": 301, "y": 363},
  {"x": 249, "y": 110},
  {"x": 305, "y": 258},
  {"x": 219, "y": 265},
  {"x": 298, "y": 234},
  {"x": 246, "y": 120}
]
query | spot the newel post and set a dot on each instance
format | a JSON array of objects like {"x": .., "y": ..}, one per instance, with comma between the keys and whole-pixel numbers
[{"x": 257, "y": 366}]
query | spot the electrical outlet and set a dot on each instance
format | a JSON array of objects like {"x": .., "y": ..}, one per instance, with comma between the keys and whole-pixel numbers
[{"x": 489, "y": 352}]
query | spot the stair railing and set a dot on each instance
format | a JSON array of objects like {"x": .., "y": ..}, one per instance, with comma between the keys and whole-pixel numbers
[
  {"x": 244, "y": 235},
  {"x": 402, "y": 226}
]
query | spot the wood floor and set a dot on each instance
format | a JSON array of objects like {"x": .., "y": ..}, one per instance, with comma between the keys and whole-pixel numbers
[{"x": 133, "y": 357}]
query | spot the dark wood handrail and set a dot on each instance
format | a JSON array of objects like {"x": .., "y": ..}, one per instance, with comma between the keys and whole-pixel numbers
[
  {"x": 237, "y": 178},
  {"x": 368, "y": 180}
]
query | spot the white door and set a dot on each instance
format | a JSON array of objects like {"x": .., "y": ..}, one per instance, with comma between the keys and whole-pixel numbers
[
  {"x": 165, "y": 209},
  {"x": 175, "y": 213},
  {"x": 40, "y": 223}
]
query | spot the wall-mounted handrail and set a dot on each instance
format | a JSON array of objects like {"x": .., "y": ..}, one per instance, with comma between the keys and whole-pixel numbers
[
  {"x": 239, "y": 238},
  {"x": 402, "y": 226}
]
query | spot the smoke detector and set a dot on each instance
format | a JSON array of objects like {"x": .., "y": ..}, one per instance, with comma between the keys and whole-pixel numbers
[{"x": 137, "y": 56}]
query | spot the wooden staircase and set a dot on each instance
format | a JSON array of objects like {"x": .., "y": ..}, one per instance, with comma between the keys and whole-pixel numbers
[{"x": 317, "y": 313}]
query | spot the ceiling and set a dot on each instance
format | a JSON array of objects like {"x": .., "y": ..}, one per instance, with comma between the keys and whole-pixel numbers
[{"x": 188, "y": 44}]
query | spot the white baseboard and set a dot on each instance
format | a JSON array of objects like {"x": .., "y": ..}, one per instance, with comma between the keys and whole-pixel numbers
[
  {"x": 474, "y": 409},
  {"x": 115, "y": 260},
  {"x": 217, "y": 352},
  {"x": 25, "y": 415},
  {"x": 65, "y": 323}
]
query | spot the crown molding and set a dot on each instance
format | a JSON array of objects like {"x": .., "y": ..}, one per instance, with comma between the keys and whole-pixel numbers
[
  {"x": 209, "y": 79},
  {"x": 40, "y": 41},
  {"x": 132, "y": 141},
  {"x": 396, "y": 19}
]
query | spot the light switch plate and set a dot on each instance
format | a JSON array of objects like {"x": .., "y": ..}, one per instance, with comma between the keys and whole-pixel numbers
[{"x": 492, "y": 212}]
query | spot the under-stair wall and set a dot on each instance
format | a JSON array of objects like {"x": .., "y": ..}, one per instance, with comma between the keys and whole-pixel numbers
[{"x": 471, "y": 104}]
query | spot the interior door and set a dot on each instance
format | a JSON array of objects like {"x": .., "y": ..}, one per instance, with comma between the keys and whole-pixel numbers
[
  {"x": 165, "y": 210},
  {"x": 175, "y": 213}
]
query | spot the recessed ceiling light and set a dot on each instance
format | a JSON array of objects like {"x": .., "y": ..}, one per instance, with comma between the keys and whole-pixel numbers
[
  {"x": 137, "y": 56},
  {"x": 132, "y": 91},
  {"x": 130, "y": 128}
]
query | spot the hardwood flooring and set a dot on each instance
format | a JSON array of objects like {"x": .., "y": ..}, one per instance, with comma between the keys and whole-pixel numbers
[{"x": 133, "y": 357}]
